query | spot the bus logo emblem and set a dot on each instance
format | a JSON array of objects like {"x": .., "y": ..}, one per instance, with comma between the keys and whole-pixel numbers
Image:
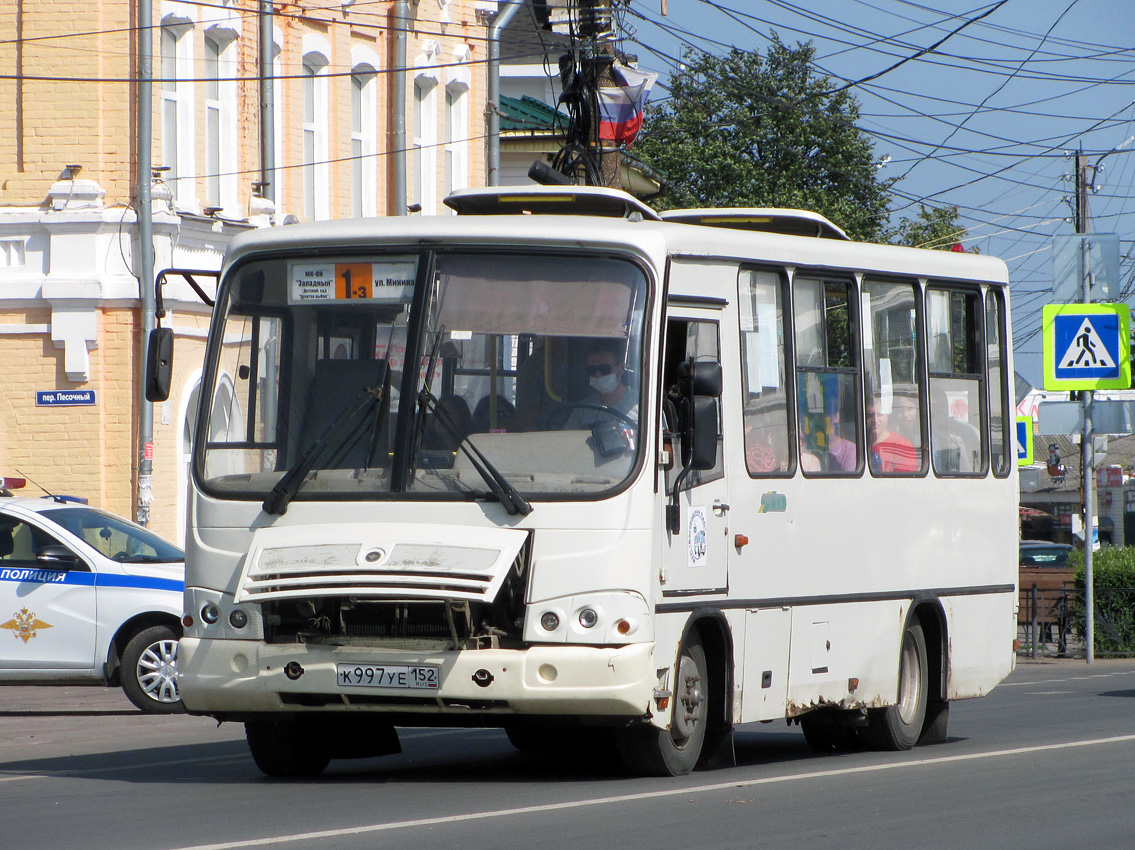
[
  {"x": 773, "y": 502},
  {"x": 696, "y": 538}
]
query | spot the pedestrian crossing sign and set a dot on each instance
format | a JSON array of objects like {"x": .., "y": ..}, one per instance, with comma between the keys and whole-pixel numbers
[
  {"x": 1024, "y": 441},
  {"x": 1086, "y": 347}
]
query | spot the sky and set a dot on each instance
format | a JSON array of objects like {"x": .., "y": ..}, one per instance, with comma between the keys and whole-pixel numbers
[{"x": 987, "y": 121}]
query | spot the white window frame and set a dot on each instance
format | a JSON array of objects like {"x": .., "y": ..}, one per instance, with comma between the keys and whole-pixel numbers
[
  {"x": 178, "y": 126},
  {"x": 222, "y": 140},
  {"x": 364, "y": 133},
  {"x": 425, "y": 141},
  {"x": 457, "y": 85},
  {"x": 317, "y": 171}
]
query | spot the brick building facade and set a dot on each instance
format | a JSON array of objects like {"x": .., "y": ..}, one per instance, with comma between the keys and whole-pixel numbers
[{"x": 70, "y": 316}]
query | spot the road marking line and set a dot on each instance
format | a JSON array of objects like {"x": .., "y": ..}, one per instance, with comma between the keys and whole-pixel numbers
[
  {"x": 649, "y": 795},
  {"x": 55, "y": 774}
]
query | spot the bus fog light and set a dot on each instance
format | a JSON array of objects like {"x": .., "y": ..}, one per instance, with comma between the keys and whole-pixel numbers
[
  {"x": 547, "y": 673},
  {"x": 210, "y": 613},
  {"x": 588, "y": 618},
  {"x": 549, "y": 621},
  {"x": 238, "y": 619}
]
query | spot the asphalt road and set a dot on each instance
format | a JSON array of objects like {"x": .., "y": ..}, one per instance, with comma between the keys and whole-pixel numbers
[{"x": 1046, "y": 761}]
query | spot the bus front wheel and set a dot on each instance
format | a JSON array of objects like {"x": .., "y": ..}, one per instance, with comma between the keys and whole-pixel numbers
[
  {"x": 898, "y": 727},
  {"x": 650, "y": 751},
  {"x": 286, "y": 747}
]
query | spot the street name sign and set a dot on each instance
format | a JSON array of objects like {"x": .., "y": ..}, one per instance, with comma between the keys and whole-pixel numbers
[
  {"x": 1086, "y": 347},
  {"x": 1065, "y": 418},
  {"x": 64, "y": 398}
]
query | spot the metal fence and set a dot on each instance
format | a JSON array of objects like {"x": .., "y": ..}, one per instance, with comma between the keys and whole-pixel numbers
[{"x": 1050, "y": 622}]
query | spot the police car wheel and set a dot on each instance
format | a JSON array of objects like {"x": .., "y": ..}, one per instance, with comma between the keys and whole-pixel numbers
[{"x": 149, "y": 671}]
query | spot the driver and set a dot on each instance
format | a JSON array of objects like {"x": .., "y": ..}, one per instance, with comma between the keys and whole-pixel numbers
[{"x": 609, "y": 389}]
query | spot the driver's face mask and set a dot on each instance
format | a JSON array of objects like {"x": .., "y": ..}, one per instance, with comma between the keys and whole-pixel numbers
[{"x": 604, "y": 383}]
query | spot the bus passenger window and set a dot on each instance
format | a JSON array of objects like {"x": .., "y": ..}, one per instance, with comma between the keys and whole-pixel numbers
[
  {"x": 1000, "y": 423},
  {"x": 954, "y": 330},
  {"x": 891, "y": 380},
  {"x": 765, "y": 401},
  {"x": 827, "y": 370}
]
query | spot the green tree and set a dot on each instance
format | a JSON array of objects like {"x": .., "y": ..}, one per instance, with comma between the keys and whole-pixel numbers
[
  {"x": 934, "y": 228},
  {"x": 742, "y": 130}
]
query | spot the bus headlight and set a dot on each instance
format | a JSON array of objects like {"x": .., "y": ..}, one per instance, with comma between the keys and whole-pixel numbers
[
  {"x": 549, "y": 622},
  {"x": 210, "y": 613},
  {"x": 601, "y": 618},
  {"x": 238, "y": 619}
]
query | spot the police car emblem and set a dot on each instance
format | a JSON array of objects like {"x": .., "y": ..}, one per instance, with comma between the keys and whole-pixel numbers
[{"x": 24, "y": 625}]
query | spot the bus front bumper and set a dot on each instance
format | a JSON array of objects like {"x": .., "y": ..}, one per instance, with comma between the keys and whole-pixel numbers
[{"x": 236, "y": 677}]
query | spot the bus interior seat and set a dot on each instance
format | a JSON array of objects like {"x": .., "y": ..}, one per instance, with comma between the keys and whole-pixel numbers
[
  {"x": 506, "y": 419},
  {"x": 336, "y": 389},
  {"x": 439, "y": 438}
]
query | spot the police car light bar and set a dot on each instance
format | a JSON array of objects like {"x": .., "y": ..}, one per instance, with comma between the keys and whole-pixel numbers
[{"x": 12, "y": 484}]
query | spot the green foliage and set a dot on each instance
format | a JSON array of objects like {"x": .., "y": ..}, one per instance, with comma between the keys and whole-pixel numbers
[
  {"x": 1113, "y": 586},
  {"x": 742, "y": 130},
  {"x": 936, "y": 228}
]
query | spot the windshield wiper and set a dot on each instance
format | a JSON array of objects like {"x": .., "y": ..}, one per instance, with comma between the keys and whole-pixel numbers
[
  {"x": 500, "y": 486},
  {"x": 339, "y": 433}
]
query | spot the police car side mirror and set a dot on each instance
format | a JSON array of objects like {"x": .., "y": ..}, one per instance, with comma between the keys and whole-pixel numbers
[{"x": 56, "y": 558}]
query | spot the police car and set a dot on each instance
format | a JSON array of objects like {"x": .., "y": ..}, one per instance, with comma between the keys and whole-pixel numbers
[{"x": 86, "y": 596}]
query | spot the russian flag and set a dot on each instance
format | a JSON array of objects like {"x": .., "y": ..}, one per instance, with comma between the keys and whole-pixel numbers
[{"x": 620, "y": 109}]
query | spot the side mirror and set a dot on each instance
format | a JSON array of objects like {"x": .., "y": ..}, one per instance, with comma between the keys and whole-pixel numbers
[
  {"x": 56, "y": 558},
  {"x": 159, "y": 364},
  {"x": 702, "y": 438},
  {"x": 705, "y": 376}
]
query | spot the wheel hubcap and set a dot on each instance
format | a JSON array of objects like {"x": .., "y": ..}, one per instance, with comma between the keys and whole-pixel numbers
[
  {"x": 910, "y": 681},
  {"x": 157, "y": 671},
  {"x": 690, "y": 707}
]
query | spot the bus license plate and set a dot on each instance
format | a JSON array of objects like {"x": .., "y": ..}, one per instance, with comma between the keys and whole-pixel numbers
[{"x": 387, "y": 676}]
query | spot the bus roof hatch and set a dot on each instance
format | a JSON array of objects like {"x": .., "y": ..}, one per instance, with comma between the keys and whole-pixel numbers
[
  {"x": 548, "y": 200},
  {"x": 791, "y": 222}
]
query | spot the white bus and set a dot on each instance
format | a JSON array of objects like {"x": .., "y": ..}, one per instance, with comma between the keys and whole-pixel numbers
[{"x": 561, "y": 465}]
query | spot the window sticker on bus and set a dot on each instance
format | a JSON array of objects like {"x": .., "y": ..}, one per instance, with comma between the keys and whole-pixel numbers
[{"x": 386, "y": 281}]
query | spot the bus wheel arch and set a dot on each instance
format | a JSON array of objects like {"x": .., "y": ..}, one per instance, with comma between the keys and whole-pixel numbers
[
  {"x": 921, "y": 711},
  {"x": 699, "y": 712}
]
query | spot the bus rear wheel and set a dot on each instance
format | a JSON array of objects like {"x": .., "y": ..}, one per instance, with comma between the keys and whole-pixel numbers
[
  {"x": 898, "y": 727},
  {"x": 286, "y": 747},
  {"x": 649, "y": 751}
]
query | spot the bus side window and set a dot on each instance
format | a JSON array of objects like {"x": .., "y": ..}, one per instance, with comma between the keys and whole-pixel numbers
[
  {"x": 959, "y": 444},
  {"x": 1000, "y": 423},
  {"x": 687, "y": 339},
  {"x": 892, "y": 379},
  {"x": 827, "y": 371},
  {"x": 768, "y": 451}
]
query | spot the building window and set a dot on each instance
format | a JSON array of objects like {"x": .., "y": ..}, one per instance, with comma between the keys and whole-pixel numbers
[
  {"x": 425, "y": 143},
  {"x": 315, "y": 167},
  {"x": 364, "y": 142},
  {"x": 212, "y": 123},
  {"x": 177, "y": 111},
  {"x": 457, "y": 121}
]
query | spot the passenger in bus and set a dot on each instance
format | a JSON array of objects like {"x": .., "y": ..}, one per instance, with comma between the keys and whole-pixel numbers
[
  {"x": 843, "y": 454},
  {"x": 610, "y": 388},
  {"x": 890, "y": 452}
]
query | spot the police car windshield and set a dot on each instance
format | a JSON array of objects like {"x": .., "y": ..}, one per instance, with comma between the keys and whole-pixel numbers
[{"x": 116, "y": 538}]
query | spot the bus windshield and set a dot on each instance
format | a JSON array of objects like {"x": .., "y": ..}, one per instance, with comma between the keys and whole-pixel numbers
[{"x": 526, "y": 364}]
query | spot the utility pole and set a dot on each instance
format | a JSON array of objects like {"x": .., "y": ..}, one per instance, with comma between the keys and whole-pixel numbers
[
  {"x": 146, "y": 255},
  {"x": 1087, "y": 453}
]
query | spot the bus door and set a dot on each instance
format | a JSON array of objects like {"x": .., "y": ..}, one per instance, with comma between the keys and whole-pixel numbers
[{"x": 697, "y": 546}]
